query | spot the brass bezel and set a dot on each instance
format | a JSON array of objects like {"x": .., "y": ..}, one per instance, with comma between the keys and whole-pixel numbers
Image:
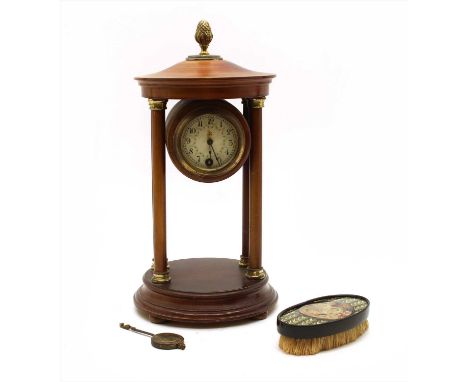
[{"x": 182, "y": 114}]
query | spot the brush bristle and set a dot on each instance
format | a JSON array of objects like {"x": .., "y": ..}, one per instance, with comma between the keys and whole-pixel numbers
[{"x": 309, "y": 346}]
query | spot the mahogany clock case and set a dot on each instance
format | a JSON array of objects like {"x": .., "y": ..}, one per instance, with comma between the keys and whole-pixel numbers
[
  {"x": 187, "y": 110},
  {"x": 207, "y": 290}
]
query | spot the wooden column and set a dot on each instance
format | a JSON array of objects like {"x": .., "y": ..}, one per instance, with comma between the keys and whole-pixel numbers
[
  {"x": 254, "y": 269},
  {"x": 244, "y": 259},
  {"x": 158, "y": 161}
]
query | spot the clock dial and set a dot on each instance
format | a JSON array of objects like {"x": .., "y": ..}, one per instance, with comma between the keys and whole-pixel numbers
[{"x": 209, "y": 142}]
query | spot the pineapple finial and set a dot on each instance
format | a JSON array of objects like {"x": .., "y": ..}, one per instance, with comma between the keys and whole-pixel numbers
[{"x": 203, "y": 36}]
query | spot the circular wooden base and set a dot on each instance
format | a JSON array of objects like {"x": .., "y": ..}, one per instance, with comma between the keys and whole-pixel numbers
[{"x": 206, "y": 291}]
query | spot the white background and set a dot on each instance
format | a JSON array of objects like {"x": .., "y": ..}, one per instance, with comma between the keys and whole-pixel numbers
[
  {"x": 351, "y": 213},
  {"x": 335, "y": 183}
]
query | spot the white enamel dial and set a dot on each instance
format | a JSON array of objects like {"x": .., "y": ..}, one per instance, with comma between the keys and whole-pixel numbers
[{"x": 209, "y": 142}]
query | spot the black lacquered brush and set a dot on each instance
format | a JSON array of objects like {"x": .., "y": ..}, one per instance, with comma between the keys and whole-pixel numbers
[{"x": 322, "y": 323}]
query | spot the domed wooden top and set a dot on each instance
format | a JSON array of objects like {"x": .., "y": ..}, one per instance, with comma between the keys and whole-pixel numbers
[{"x": 205, "y": 76}]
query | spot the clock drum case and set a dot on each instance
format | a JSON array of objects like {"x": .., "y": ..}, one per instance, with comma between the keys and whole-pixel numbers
[
  {"x": 193, "y": 123},
  {"x": 322, "y": 323}
]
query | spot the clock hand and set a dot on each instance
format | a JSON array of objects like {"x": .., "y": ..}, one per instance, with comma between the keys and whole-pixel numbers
[
  {"x": 215, "y": 155},
  {"x": 210, "y": 143}
]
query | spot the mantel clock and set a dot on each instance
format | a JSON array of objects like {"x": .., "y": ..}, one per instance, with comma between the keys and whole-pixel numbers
[{"x": 208, "y": 140}]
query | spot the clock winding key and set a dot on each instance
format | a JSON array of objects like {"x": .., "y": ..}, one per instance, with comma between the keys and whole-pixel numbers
[{"x": 164, "y": 341}]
